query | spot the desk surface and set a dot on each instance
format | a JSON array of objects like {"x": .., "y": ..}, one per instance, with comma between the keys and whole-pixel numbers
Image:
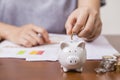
[{"x": 18, "y": 69}]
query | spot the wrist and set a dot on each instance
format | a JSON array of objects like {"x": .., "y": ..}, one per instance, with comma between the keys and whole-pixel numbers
[
  {"x": 6, "y": 30},
  {"x": 91, "y": 4}
]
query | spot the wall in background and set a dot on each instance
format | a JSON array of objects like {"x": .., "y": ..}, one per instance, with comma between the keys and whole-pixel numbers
[{"x": 110, "y": 15}]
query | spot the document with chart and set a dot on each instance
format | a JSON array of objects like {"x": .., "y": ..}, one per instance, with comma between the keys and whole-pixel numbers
[{"x": 50, "y": 52}]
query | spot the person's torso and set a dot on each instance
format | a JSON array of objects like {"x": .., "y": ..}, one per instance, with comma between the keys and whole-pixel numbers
[{"x": 50, "y": 14}]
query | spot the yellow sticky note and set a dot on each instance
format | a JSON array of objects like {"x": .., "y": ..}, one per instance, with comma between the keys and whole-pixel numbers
[{"x": 33, "y": 52}]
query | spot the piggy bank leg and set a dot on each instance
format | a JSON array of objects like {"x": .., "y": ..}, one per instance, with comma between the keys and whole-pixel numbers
[
  {"x": 79, "y": 70},
  {"x": 65, "y": 69}
]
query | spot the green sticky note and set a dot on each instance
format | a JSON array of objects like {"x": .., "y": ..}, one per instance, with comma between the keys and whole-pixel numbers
[{"x": 21, "y": 52}]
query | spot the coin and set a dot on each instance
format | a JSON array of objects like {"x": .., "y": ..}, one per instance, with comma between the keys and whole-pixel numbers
[{"x": 72, "y": 36}]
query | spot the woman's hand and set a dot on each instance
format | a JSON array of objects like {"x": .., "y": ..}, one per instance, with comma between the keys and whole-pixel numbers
[
  {"x": 28, "y": 35},
  {"x": 85, "y": 22}
]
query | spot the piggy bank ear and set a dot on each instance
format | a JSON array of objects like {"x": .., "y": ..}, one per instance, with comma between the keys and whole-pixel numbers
[
  {"x": 63, "y": 45},
  {"x": 81, "y": 44}
]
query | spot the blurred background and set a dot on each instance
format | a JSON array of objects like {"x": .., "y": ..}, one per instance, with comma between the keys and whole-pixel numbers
[{"x": 110, "y": 15}]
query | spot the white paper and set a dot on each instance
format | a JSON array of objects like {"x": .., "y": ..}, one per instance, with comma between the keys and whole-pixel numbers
[{"x": 95, "y": 49}]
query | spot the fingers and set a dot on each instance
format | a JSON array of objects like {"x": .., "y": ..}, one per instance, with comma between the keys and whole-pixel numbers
[
  {"x": 25, "y": 43},
  {"x": 37, "y": 39},
  {"x": 89, "y": 27},
  {"x": 87, "y": 24},
  {"x": 94, "y": 36},
  {"x": 70, "y": 23},
  {"x": 29, "y": 41},
  {"x": 81, "y": 21},
  {"x": 43, "y": 33},
  {"x": 97, "y": 28},
  {"x": 96, "y": 31},
  {"x": 29, "y": 36},
  {"x": 76, "y": 19}
]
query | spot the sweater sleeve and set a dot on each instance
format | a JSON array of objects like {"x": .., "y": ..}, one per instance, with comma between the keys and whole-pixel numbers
[{"x": 103, "y": 2}]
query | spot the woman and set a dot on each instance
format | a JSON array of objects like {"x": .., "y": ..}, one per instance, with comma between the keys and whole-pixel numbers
[{"x": 22, "y": 20}]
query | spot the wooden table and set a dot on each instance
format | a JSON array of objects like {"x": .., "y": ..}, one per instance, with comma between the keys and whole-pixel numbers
[{"x": 18, "y": 69}]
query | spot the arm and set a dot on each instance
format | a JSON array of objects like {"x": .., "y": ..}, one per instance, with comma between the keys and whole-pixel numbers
[
  {"x": 26, "y": 35},
  {"x": 6, "y": 29}
]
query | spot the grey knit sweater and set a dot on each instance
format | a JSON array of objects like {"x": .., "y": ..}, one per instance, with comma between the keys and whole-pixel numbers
[{"x": 50, "y": 14}]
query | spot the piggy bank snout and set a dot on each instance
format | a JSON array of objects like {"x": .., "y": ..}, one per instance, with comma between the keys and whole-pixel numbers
[{"x": 72, "y": 60}]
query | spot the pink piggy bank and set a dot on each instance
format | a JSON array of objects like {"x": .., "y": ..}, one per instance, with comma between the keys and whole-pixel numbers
[{"x": 72, "y": 55}]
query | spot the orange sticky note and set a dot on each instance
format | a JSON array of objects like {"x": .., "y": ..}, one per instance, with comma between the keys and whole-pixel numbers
[
  {"x": 40, "y": 52},
  {"x": 33, "y": 52}
]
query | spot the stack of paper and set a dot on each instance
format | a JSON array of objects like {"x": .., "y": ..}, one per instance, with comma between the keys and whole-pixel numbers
[{"x": 95, "y": 49}]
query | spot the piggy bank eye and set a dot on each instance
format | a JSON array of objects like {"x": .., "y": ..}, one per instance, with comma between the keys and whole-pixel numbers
[
  {"x": 69, "y": 51},
  {"x": 75, "y": 50}
]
